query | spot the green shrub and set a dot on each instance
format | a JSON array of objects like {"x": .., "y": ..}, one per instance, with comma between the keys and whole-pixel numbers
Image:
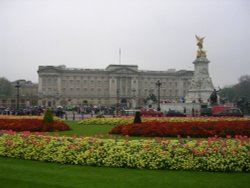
[
  {"x": 137, "y": 118},
  {"x": 100, "y": 116},
  {"x": 48, "y": 116}
]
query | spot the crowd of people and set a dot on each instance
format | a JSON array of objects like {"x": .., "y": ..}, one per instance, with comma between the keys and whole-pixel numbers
[
  {"x": 62, "y": 112},
  {"x": 36, "y": 111}
]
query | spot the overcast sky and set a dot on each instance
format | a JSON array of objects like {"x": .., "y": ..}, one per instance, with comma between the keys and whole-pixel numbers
[{"x": 153, "y": 34}]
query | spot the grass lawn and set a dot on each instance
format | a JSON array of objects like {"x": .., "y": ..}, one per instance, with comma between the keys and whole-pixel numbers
[
  {"x": 93, "y": 130},
  {"x": 25, "y": 173},
  {"x": 85, "y": 130}
]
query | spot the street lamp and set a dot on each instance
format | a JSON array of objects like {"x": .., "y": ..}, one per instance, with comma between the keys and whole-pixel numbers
[
  {"x": 134, "y": 101},
  {"x": 17, "y": 94},
  {"x": 158, "y": 84},
  {"x": 117, "y": 103}
]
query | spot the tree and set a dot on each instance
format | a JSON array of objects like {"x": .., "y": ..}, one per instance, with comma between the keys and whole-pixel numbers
[
  {"x": 123, "y": 101},
  {"x": 5, "y": 87},
  {"x": 243, "y": 87},
  {"x": 137, "y": 118},
  {"x": 244, "y": 78},
  {"x": 48, "y": 116},
  {"x": 228, "y": 93},
  {"x": 85, "y": 102},
  {"x": 238, "y": 94},
  {"x": 150, "y": 99}
]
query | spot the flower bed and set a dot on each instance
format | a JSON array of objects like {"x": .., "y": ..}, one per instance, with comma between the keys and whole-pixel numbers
[
  {"x": 214, "y": 154},
  {"x": 106, "y": 121},
  {"x": 186, "y": 128},
  {"x": 34, "y": 124},
  {"x": 129, "y": 120}
]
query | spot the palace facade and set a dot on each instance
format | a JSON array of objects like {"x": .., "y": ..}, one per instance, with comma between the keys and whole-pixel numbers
[
  {"x": 61, "y": 86},
  {"x": 27, "y": 95}
]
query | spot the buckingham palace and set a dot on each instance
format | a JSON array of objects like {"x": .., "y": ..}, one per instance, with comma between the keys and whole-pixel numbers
[{"x": 119, "y": 83}]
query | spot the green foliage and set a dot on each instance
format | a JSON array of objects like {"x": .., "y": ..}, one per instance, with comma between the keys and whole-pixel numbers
[
  {"x": 5, "y": 87},
  {"x": 238, "y": 93},
  {"x": 100, "y": 116},
  {"x": 48, "y": 116},
  {"x": 84, "y": 102},
  {"x": 215, "y": 154},
  {"x": 228, "y": 93},
  {"x": 151, "y": 98},
  {"x": 241, "y": 89},
  {"x": 137, "y": 118},
  {"x": 123, "y": 100}
]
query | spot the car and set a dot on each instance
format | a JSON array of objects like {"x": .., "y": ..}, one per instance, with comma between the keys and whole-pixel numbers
[
  {"x": 230, "y": 112},
  {"x": 219, "y": 108},
  {"x": 175, "y": 113},
  {"x": 151, "y": 112},
  {"x": 206, "y": 111}
]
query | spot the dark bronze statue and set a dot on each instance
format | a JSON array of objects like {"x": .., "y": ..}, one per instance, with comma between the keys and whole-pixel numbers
[{"x": 214, "y": 97}]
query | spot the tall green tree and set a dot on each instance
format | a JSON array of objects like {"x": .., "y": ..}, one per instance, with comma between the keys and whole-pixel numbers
[
  {"x": 243, "y": 87},
  {"x": 238, "y": 91},
  {"x": 228, "y": 93},
  {"x": 5, "y": 87}
]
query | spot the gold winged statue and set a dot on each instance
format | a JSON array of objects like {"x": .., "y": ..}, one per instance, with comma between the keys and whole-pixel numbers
[{"x": 200, "y": 51}]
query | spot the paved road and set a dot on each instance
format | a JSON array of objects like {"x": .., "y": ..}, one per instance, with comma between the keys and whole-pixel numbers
[
  {"x": 79, "y": 117},
  {"x": 76, "y": 116}
]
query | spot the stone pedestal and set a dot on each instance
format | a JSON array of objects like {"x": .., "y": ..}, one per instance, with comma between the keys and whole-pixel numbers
[{"x": 201, "y": 85}]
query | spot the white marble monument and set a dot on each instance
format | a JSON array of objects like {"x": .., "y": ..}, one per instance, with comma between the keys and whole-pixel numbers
[{"x": 201, "y": 85}]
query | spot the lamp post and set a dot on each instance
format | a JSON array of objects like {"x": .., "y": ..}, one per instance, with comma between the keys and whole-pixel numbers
[
  {"x": 17, "y": 94},
  {"x": 117, "y": 103},
  {"x": 134, "y": 101},
  {"x": 158, "y": 84}
]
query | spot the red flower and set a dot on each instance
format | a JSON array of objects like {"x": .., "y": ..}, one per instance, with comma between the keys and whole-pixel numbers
[
  {"x": 217, "y": 129},
  {"x": 33, "y": 125}
]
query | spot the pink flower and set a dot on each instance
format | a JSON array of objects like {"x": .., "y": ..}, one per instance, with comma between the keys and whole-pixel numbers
[{"x": 37, "y": 133}]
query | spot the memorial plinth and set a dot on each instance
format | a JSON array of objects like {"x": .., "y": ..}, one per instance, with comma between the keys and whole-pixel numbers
[{"x": 201, "y": 85}]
